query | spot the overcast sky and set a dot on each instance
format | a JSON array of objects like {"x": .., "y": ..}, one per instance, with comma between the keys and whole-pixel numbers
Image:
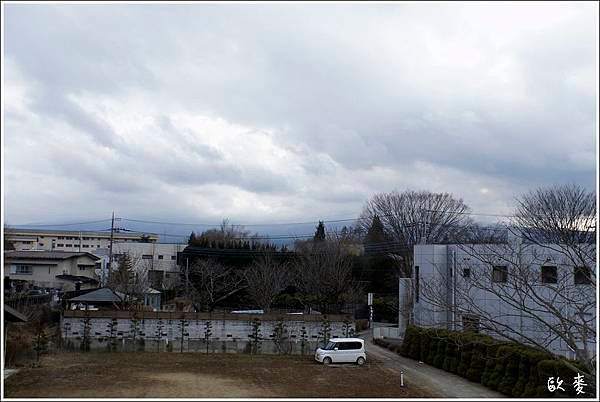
[{"x": 286, "y": 112}]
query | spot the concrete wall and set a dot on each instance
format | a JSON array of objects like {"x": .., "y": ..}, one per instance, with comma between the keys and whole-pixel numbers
[{"x": 230, "y": 332}]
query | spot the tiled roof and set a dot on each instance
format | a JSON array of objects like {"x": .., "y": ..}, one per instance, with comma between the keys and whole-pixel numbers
[{"x": 46, "y": 255}]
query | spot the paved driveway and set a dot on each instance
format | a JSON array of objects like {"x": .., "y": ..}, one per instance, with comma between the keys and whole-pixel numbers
[{"x": 425, "y": 377}]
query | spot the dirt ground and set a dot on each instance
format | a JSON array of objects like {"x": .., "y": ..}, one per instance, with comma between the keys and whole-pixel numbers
[{"x": 195, "y": 375}]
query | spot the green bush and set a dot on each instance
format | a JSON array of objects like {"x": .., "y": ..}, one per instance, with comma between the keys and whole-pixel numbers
[
  {"x": 478, "y": 360},
  {"x": 451, "y": 354},
  {"x": 466, "y": 353},
  {"x": 511, "y": 371},
  {"x": 425, "y": 343},
  {"x": 415, "y": 344},
  {"x": 433, "y": 347},
  {"x": 528, "y": 376},
  {"x": 490, "y": 363},
  {"x": 510, "y": 368},
  {"x": 438, "y": 360},
  {"x": 410, "y": 338}
]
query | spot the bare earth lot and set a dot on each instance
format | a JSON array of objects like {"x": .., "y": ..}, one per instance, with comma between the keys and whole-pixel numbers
[{"x": 195, "y": 375}]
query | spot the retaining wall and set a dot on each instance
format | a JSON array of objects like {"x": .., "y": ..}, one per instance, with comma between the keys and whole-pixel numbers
[{"x": 172, "y": 331}]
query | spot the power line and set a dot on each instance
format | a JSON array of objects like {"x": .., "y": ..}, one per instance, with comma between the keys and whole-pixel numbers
[{"x": 62, "y": 224}]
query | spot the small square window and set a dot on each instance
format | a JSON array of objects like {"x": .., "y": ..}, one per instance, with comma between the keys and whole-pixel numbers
[
  {"x": 173, "y": 257},
  {"x": 160, "y": 257},
  {"x": 549, "y": 274},
  {"x": 582, "y": 275},
  {"x": 500, "y": 274},
  {"x": 466, "y": 272}
]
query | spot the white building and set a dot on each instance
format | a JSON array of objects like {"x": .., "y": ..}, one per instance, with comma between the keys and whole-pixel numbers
[
  {"x": 513, "y": 289},
  {"x": 69, "y": 240},
  {"x": 157, "y": 261}
]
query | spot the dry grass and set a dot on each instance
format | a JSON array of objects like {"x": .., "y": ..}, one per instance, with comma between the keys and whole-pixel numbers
[{"x": 195, "y": 375}]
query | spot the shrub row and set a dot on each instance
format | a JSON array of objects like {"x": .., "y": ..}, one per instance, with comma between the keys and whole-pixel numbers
[{"x": 507, "y": 367}]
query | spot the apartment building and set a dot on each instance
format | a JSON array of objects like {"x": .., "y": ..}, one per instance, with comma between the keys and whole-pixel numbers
[
  {"x": 510, "y": 288},
  {"x": 70, "y": 240},
  {"x": 156, "y": 260}
]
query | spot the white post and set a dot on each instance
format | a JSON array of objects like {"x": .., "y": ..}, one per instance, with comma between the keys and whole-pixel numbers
[{"x": 402, "y": 378}]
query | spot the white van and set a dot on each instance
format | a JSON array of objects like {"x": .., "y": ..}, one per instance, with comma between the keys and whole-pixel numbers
[{"x": 342, "y": 350}]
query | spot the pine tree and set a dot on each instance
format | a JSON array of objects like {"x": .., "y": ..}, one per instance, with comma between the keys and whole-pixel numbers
[
  {"x": 192, "y": 239},
  {"x": 320, "y": 233}
]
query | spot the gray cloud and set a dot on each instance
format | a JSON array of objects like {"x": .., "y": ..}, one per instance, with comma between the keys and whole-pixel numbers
[{"x": 296, "y": 110}]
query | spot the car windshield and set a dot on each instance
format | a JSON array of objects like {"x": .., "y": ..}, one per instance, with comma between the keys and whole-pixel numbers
[{"x": 330, "y": 346}]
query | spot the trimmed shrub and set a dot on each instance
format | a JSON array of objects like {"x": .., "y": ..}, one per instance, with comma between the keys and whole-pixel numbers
[
  {"x": 411, "y": 336},
  {"x": 433, "y": 347},
  {"x": 425, "y": 342},
  {"x": 528, "y": 377},
  {"x": 511, "y": 371},
  {"x": 466, "y": 353},
  {"x": 415, "y": 344},
  {"x": 438, "y": 360},
  {"x": 490, "y": 363},
  {"x": 451, "y": 355},
  {"x": 478, "y": 360}
]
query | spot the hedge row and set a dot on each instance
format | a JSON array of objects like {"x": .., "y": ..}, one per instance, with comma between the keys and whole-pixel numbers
[{"x": 507, "y": 367}]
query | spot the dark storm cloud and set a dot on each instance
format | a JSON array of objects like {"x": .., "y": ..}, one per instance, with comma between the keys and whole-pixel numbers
[{"x": 302, "y": 106}]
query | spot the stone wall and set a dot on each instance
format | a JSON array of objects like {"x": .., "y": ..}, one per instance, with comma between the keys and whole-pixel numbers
[{"x": 229, "y": 333}]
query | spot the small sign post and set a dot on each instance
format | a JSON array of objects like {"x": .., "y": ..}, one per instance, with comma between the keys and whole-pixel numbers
[{"x": 370, "y": 304}]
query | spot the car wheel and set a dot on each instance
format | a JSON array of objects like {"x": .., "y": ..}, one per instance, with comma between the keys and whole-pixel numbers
[
  {"x": 327, "y": 360},
  {"x": 360, "y": 361}
]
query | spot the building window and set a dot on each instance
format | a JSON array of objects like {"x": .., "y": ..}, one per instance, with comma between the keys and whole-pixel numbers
[
  {"x": 160, "y": 257},
  {"x": 549, "y": 274},
  {"x": 86, "y": 246},
  {"x": 21, "y": 269},
  {"x": 60, "y": 245},
  {"x": 500, "y": 274},
  {"x": 146, "y": 256},
  {"x": 82, "y": 267},
  {"x": 41, "y": 244},
  {"x": 466, "y": 272},
  {"x": 582, "y": 275},
  {"x": 61, "y": 238},
  {"x": 68, "y": 245},
  {"x": 470, "y": 322},
  {"x": 173, "y": 257},
  {"x": 416, "y": 284}
]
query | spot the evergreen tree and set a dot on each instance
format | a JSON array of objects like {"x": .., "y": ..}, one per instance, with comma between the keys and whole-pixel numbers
[
  {"x": 192, "y": 239},
  {"x": 320, "y": 233}
]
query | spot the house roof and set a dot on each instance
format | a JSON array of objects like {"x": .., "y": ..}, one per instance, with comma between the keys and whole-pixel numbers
[
  {"x": 77, "y": 278},
  {"x": 47, "y": 255},
  {"x": 12, "y": 315},
  {"x": 100, "y": 295}
]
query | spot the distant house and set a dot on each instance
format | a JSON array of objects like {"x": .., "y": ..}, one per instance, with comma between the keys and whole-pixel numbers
[
  {"x": 100, "y": 299},
  {"x": 51, "y": 269}
]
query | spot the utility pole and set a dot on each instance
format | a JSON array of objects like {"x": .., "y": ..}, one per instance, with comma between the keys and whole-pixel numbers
[
  {"x": 187, "y": 281},
  {"x": 110, "y": 247}
]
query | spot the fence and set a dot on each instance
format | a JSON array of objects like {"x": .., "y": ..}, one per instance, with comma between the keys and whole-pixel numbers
[
  {"x": 387, "y": 332},
  {"x": 24, "y": 303}
]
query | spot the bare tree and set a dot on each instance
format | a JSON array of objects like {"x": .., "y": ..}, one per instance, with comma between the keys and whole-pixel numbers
[
  {"x": 211, "y": 283},
  {"x": 323, "y": 273},
  {"x": 266, "y": 279},
  {"x": 130, "y": 279},
  {"x": 414, "y": 217},
  {"x": 535, "y": 288}
]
